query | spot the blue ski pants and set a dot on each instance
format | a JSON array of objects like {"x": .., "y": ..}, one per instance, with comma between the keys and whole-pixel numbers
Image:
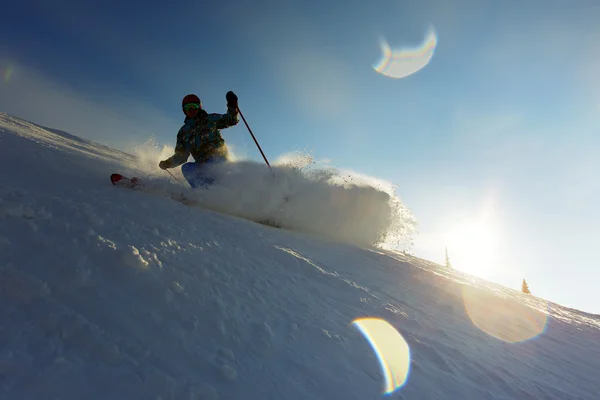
[{"x": 199, "y": 174}]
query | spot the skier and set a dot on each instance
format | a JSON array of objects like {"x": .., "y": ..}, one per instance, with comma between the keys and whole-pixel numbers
[{"x": 200, "y": 136}]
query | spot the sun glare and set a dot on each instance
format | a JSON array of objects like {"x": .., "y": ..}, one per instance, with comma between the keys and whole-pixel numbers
[{"x": 473, "y": 245}]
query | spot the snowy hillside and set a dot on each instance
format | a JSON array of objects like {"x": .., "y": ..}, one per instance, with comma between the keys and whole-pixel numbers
[{"x": 110, "y": 293}]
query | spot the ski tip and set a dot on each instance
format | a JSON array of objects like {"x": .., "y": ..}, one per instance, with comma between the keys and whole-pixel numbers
[{"x": 114, "y": 178}]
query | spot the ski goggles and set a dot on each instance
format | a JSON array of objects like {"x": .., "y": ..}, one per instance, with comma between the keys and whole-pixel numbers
[{"x": 191, "y": 106}]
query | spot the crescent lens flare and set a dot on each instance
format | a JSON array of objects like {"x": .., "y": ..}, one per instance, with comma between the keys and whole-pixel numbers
[
  {"x": 7, "y": 73},
  {"x": 403, "y": 62},
  {"x": 391, "y": 349}
]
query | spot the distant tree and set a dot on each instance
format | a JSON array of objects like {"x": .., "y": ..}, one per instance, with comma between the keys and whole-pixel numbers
[
  {"x": 448, "y": 264},
  {"x": 525, "y": 287}
]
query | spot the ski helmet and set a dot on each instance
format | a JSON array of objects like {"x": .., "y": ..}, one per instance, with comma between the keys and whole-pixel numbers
[{"x": 191, "y": 98}]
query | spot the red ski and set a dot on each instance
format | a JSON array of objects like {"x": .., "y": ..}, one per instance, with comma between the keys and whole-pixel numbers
[
  {"x": 123, "y": 181},
  {"x": 136, "y": 184}
]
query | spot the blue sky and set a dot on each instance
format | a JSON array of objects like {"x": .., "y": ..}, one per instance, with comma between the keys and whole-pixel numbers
[{"x": 494, "y": 145}]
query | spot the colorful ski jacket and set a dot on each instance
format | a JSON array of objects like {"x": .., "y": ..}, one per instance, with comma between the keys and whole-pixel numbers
[{"x": 201, "y": 137}]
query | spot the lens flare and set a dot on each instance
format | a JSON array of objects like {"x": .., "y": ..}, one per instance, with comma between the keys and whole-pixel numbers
[
  {"x": 391, "y": 350},
  {"x": 507, "y": 319},
  {"x": 7, "y": 73},
  {"x": 403, "y": 62}
]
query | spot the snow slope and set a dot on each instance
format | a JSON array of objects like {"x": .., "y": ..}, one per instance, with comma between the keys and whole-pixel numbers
[{"x": 109, "y": 293}]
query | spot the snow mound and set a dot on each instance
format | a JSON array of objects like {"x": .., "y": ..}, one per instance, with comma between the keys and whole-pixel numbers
[{"x": 109, "y": 293}]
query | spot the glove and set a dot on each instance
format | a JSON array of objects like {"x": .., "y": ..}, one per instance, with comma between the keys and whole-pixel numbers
[
  {"x": 162, "y": 165},
  {"x": 232, "y": 100}
]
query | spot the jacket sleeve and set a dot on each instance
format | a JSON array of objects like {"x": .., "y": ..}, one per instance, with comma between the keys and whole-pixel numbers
[
  {"x": 181, "y": 153},
  {"x": 223, "y": 121}
]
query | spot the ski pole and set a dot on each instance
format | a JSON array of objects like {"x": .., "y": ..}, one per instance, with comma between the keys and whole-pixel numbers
[
  {"x": 258, "y": 145},
  {"x": 173, "y": 176},
  {"x": 255, "y": 141}
]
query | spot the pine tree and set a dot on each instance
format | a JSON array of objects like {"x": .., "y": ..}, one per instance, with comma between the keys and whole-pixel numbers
[
  {"x": 525, "y": 287},
  {"x": 448, "y": 264}
]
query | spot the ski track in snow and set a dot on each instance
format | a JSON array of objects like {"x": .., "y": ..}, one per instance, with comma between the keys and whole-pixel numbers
[{"x": 112, "y": 293}]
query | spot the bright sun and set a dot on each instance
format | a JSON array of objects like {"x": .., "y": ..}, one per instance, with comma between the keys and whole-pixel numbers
[{"x": 473, "y": 246}]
